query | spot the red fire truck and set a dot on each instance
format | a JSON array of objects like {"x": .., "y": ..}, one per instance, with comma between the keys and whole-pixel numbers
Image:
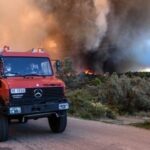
[{"x": 30, "y": 90}]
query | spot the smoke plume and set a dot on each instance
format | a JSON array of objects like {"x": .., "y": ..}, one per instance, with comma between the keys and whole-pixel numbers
[
  {"x": 81, "y": 26},
  {"x": 21, "y": 24},
  {"x": 129, "y": 32},
  {"x": 101, "y": 35}
]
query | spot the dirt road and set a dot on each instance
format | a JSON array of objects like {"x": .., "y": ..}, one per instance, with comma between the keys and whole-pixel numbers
[{"x": 80, "y": 135}]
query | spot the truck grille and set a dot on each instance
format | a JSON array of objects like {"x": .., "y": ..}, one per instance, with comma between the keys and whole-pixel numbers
[{"x": 37, "y": 96}]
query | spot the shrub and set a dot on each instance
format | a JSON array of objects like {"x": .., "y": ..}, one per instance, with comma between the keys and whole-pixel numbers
[
  {"x": 126, "y": 94},
  {"x": 84, "y": 105},
  {"x": 101, "y": 96},
  {"x": 95, "y": 82}
]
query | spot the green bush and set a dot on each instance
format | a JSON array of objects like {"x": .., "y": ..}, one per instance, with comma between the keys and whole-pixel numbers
[
  {"x": 95, "y": 82},
  {"x": 85, "y": 105},
  {"x": 102, "y": 95},
  {"x": 126, "y": 94},
  {"x": 95, "y": 98}
]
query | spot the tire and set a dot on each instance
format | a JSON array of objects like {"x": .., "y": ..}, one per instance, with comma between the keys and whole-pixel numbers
[
  {"x": 58, "y": 124},
  {"x": 4, "y": 131}
]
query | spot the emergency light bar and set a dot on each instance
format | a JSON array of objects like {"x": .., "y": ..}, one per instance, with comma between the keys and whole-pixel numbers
[
  {"x": 6, "y": 48},
  {"x": 39, "y": 50},
  {"x": 34, "y": 50}
]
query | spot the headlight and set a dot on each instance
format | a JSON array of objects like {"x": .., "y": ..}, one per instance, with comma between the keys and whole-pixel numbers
[
  {"x": 63, "y": 106},
  {"x": 18, "y": 91},
  {"x": 14, "y": 110}
]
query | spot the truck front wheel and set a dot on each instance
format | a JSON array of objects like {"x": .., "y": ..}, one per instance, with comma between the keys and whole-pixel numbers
[
  {"x": 58, "y": 124},
  {"x": 3, "y": 128}
]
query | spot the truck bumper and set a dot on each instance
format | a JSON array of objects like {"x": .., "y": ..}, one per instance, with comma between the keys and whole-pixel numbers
[{"x": 38, "y": 109}]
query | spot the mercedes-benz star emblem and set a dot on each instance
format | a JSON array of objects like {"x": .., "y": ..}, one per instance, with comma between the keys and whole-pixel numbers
[{"x": 38, "y": 93}]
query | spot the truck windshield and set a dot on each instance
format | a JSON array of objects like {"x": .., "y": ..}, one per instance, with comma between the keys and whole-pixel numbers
[{"x": 27, "y": 66}]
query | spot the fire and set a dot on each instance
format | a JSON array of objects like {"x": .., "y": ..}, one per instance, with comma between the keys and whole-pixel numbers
[{"x": 89, "y": 72}]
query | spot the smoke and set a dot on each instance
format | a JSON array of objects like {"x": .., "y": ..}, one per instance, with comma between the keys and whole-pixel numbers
[
  {"x": 129, "y": 32},
  {"x": 21, "y": 24},
  {"x": 102, "y": 35},
  {"x": 81, "y": 26}
]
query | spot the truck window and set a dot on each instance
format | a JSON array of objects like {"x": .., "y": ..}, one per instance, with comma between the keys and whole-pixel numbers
[{"x": 22, "y": 66}]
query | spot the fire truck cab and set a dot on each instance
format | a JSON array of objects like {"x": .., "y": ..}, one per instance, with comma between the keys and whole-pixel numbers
[{"x": 30, "y": 90}]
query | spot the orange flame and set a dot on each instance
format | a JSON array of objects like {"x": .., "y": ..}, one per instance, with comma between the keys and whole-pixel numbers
[{"x": 89, "y": 72}]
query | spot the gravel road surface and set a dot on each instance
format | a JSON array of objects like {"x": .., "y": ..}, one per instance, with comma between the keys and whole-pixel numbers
[{"x": 80, "y": 135}]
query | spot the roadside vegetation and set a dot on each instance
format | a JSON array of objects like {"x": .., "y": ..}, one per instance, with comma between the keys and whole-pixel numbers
[
  {"x": 145, "y": 125},
  {"x": 98, "y": 96}
]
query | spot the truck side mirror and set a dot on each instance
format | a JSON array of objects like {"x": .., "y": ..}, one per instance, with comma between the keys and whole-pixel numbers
[{"x": 58, "y": 65}]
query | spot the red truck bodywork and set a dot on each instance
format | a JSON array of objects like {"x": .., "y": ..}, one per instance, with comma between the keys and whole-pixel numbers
[
  {"x": 28, "y": 82},
  {"x": 43, "y": 96}
]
